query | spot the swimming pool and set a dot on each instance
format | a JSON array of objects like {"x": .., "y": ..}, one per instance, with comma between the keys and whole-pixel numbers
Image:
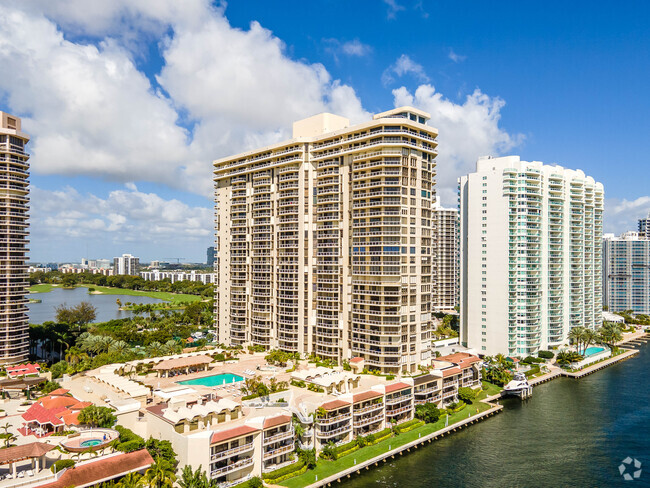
[
  {"x": 593, "y": 350},
  {"x": 214, "y": 380},
  {"x": 90, "y": 442}
]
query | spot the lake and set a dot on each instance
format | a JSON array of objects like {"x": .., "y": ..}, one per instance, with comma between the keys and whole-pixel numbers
[
  {"x": 571, "y": 433},
  {"x": 106, "y": 307}
]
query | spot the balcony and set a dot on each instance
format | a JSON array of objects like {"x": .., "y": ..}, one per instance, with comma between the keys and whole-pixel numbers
[
  {"x": 232, "y": 452},
  {"x": 232, "y": 467},
  {"x": 276, "y": 452},
  {"x": 279, "y": 437}
]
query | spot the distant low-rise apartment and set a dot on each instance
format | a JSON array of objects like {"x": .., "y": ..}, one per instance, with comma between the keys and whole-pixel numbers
[
  {"x": 174, "y": 276},
  {"x": 531, "y": 255},
  {"x": 325, "y": 242},
  {"x": 126, "y": 265}
]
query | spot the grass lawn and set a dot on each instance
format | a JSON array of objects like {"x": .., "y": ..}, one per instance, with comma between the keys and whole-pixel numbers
[
  {"x": 492, "y": 389},
  {"x": 328, "y": 468},
  {"x": 168, "y": 297},
  {"x": 42, "y": 288}
]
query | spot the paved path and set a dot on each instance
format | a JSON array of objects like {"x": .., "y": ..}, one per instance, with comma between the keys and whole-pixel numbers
[{"x": 406, "y": 447}]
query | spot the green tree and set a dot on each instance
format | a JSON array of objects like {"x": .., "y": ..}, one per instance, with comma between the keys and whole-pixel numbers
[
  {"x": 97, "y": 416},
  {"x": 160, "y": 475},
  {"x": 195, "y": 479},
  {"x": 162, "y": 450},
  {"x": 427, "y": 412},
  {"x": 466, "y": 394},
  {"x": 610, "y": 334},
  {"x": 81, "y": 314}
]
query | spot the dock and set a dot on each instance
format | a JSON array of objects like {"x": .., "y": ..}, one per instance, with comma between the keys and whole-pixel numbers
[
  {"x": 603, "y": 364},
  {"x": 406, "y": 448}
]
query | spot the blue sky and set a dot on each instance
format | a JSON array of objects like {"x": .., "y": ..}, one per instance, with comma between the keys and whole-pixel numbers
[{"x": 129, "y": 102}]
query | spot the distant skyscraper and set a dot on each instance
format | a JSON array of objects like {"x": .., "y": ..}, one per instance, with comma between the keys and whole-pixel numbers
[
  {"x": 210, "y": 256},
  {"x": 531, "y": 255},
  {"x": 325, "y": 241},
  {"x": 126, "y": 265},
  {"x": 626, "y": 272},
  {"x": 444, "y": 286},
  {"x": 644, "y": 227},
  {"x": 14, "y": 208}
]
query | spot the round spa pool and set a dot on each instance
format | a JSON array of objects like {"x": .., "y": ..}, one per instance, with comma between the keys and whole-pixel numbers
[{"x": 89, "y": 439}]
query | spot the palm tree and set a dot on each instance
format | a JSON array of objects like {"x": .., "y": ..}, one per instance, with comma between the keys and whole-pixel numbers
[
  {"x": 155, "y": 349},
  {"x": 588, "y": 337},
  {"x": 118, "y": 347},
  {"x": 575, "y": 335},
  {"x": 610, "y": 334},
  {"x": 75, "y": 355},
  {"x": 132, "y": 480},
  {"x": 160, "y": 475}
]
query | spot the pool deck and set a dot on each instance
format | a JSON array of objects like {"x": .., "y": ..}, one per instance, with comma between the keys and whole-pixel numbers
[{"x": 628, "y": 353}]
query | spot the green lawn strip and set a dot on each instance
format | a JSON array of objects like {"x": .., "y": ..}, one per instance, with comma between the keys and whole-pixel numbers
[
  {"x": 328, "y": 468},
  {"x": 492, "y": 389},
  {"x": 42, "y": 288},
  {"x": 162, "y": 295}
]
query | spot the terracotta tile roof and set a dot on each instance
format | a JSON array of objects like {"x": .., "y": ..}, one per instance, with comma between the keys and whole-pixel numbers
[
  {"x": 36, "y": 413},
  {"x": 93, "y": 473},
  {"x": 396, "y": 387},
  {"x": 463, "y": 359},
  {"x": 224, "y": 435},
  {"x": 450, "y": 372},
  {"x": 58, "y": 401},
  {"x": 366, "y": 395},
  {"x": 59, "y": 392},
  {"x": 71, "y": 418},
  {"x": 274, "y": 421},
  {"x": 22, "y": 369},
  {"x": 26, "y": 451},
  {"x": 356, "y": 360},
  {"x": 335, "y": 404}
]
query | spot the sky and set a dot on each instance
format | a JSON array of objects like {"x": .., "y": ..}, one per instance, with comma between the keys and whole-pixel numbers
[{"x": 128, "y": 102}]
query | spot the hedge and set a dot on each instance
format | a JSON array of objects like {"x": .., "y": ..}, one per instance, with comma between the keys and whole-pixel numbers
[
  {"x": 410, "y": 425},
  {"x": 379, "y": 436},
  {"x": 278, "y": 473},
  {"x": 130, "y": 446},
  {"x": 546, "y": 354},
  {"x": 62, "y": 464},
  {"x": 275, "y": 481}
]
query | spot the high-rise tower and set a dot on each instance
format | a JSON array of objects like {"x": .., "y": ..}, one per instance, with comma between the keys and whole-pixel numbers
[
  {"x": 325, "y": 241},
  {"x": 531, "y": 255},
  {"x": 14, "y": 209}
]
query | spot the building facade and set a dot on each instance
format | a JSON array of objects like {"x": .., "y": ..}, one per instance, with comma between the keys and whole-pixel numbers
[
  {"x": 174, "y": 276},
  {"x": 644, "y": 227},
  {"x": 445, "y": 277},
  {"x": 14, "y": 209},
  {"x": 531, "y": 255},
  {"x": 626, "y": 272},
  {"x": 324, "y": 242},
  {"x": 126, "y": 265},
  {"x": 210, "y": 256}
]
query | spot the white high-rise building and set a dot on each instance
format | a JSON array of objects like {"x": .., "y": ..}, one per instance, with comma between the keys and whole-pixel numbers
[
  {"x": 531, "y": 255},
  {"x": 626, "y": 272},
  {"x": 126, "y": 265}
]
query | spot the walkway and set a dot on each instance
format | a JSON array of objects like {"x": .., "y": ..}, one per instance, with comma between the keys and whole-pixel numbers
[{"x": 406, "y": 447}]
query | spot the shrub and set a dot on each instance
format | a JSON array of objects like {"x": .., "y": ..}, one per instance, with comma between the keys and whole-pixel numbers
[
  {"x": 62, "y": 464},
  {"x": 532, "y": 371},
  {"x": 466, "y": 394},
  {"x": 49, "y": 386},
  {"x": 408, "y": 426},
  {"x": 427, "y": 412},
  {"x": 390, "y": 377},
  {"x": 220, "y": 357},
  {"x": 255, "y": 482},
  {"x": 378, "y": 436},
  {"x": 279, "y": 473},
  {"x": 130, "y": 446},
  {"x": 127, "y": 435},
  {"x": 546, "y": 354}
]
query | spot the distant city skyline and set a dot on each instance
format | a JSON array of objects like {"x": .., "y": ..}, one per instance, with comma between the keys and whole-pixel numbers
[{"x": 123, "y": 140}]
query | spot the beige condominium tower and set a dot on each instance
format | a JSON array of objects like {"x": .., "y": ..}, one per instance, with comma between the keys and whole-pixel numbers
[
  {"x": 14, "y": 207},
  {"x": 324, "y": 242},
  {"x": 531, "y": 255},
  {"x": 445, "y": 276}
]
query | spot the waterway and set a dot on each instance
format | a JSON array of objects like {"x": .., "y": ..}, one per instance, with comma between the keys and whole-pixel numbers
[
  {"x": 571, "y": 433},
  {"x": 106, "y": 306}
]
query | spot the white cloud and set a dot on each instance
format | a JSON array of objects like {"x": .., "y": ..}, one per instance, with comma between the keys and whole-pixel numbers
[
  {"x": 467, "y": 131},
  {"x": 143, "y": 220},
  {"x": 353, "y": 48},
  {"x": 456, "y": 58},
  {"x": 393, "y": 8},
  {"x": 92, "y": 112},
  {"x": 622, "y": 215},
  {"x": 402, "y": 67}
]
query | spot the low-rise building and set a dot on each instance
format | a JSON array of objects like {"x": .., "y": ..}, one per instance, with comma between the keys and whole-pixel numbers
[{"x": 174, "y": 276}]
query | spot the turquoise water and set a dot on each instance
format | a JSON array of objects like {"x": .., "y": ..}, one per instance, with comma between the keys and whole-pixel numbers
[
  {"x": 593, "y": 350},
  {"x": 214, "y": 380},
  {"x": 90, "y": 442}
]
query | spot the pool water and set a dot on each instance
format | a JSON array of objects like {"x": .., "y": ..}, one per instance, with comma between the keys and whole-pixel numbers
[
  {"x": 90, "y": 442},
  {"x": 214, "y": 380},
  {"x": 593, "y": 350}
]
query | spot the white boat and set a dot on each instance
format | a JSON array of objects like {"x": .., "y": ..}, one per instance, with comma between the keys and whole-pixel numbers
[{"x": 518, "y": 386}]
